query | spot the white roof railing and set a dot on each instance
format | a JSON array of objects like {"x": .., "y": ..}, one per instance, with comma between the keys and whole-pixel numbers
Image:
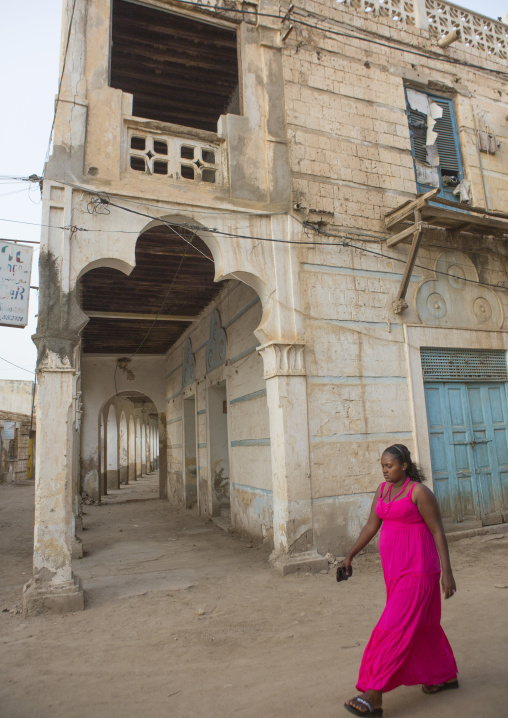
[{"x": 439, "y": 18}]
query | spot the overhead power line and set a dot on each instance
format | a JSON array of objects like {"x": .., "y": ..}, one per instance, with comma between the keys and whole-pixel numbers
[
  {"x": 57, "y": 101},
  {"x": 17, "y": 366},
  {"x": 398, "y": 45},
  {"x": 102, "y": 199}
]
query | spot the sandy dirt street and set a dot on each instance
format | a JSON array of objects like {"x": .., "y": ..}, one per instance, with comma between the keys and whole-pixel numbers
[{"x": 184, "y": 620}]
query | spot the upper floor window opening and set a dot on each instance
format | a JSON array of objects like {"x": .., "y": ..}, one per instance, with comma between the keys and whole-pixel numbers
[
  {"x": 435, "y": 143},
  {"x": 178, "y": 69}
]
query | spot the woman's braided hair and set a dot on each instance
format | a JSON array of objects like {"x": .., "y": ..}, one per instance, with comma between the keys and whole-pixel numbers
[{"x": 399, "y": 451}]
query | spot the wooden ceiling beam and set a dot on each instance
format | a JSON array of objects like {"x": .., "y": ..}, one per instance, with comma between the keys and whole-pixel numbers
[{"x": 139, "y": 317}]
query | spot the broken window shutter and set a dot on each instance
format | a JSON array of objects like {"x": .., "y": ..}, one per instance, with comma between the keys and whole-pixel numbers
[
  {"x": 447, "y": 140},
  {"x": 418, "y": 129}
]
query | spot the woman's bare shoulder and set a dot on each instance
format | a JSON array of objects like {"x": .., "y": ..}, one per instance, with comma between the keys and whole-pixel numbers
[{"x": 422, "y": 491}]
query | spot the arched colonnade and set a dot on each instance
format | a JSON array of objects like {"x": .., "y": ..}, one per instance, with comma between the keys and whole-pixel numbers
[
  {"x": 128, "y": 439},
  {"x": 108, "y": 332}
]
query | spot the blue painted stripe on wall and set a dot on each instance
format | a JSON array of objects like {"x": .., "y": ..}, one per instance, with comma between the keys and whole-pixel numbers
[
  {"x": 249, "y": 397},
  {"x": 173, "y": 421},
  {"x": 341, "y": 498},
  {"x": 241, "y": 313},
  {"x": 173, "y": 396},
  {"x": 252, "y": 489},
  {"x": 251, "y": 350},
  {"x": 357, "y": 379},
  {"x": 173, "y": 371},
  {"x": 357, "y": 323},
  {"x": 388, "y": 436},
  {"x": 250, "y": 442},
  {"x": 375, "y": 273},
  {"x": 201, "y": 446},
  {"x": 201, "y": 411}
]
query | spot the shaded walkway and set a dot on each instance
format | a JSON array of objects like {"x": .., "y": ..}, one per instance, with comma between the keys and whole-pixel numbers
[
  {"x": 144, "y": 488},
  {"x": 134, "y": 543}
]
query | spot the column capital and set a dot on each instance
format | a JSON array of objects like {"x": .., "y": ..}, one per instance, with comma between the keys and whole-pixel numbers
[
  {"x": 52, "y": 361},
  {"x": 283, "y": 359}
]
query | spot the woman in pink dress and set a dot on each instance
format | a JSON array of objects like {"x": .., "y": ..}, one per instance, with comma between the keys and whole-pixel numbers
[{"x": 408, "y": 645}]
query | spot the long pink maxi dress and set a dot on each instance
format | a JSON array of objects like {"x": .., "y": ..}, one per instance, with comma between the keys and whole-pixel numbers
[{"x": 408, "y": 645}]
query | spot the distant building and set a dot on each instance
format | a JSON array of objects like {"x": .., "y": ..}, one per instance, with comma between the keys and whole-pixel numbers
[
  {"x": 17, "y": 430},
  {"x": 274, "y": 242}
]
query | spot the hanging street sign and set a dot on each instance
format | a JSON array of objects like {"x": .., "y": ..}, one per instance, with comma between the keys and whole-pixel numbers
[{"x": 15, "y": 273}]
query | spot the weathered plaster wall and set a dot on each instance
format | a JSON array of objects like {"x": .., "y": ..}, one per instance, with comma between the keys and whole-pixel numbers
[
  {"x": 247, "y": 412},
  {"x": 349, "y": 139},
  {"x": 17, "y": 396},
  {"x": 351, "y": 163}
]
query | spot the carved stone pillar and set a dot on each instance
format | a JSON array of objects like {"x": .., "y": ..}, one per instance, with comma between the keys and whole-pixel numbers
[
  {"x": 286, "y": 387},
  {"x": 163, "y": 457},
  {"x": 53, "y": 586}
]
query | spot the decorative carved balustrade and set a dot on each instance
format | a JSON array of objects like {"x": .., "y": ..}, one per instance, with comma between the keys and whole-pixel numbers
[
  {"x": 482, "y": 33},
  {"x": 439, "y": 18},
  {"x": 401, "y": 11},
  {"x": 189, "y": 157}
]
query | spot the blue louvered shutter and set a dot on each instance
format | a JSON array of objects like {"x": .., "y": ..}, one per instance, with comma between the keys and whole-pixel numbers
[
  {"x": 447, "y": 143},
  {"x": 447, "y": 137}
]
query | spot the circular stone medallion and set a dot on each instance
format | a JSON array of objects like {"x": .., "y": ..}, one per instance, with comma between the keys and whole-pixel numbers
[
  {"x": 482, "y": 310},
  {"x": 436, "y": 305},
  {"x": 456, "y": 276}
]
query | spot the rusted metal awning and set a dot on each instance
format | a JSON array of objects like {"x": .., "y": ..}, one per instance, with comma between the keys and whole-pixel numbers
[{"x": 437, "y": 212}]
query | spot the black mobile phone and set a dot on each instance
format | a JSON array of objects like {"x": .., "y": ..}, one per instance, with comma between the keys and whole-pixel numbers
[{"x": 343, "y": 574}]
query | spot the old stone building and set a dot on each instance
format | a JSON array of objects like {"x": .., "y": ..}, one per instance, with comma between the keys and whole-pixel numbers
[
  {"x": 17, "y": 430},
  {"x": 275, "y": 244}
]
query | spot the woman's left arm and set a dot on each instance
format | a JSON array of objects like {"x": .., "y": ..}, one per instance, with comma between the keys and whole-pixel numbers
[{"x": 429, "y": 511}]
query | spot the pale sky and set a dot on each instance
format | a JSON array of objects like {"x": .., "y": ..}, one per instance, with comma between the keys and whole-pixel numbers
[{"x": 29, "y": 53}]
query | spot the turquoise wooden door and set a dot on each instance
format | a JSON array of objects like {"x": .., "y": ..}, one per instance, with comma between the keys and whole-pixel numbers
[{"x": 468, "y": 425}]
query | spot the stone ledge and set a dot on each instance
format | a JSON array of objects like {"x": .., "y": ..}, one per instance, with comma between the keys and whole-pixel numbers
[
  {"x": 308, "y": 561},
  {"x": 43, "y": 597},
  {"x": 480, "y": 531}
]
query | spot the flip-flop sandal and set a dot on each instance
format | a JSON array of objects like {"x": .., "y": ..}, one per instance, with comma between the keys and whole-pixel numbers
[
  {"x": 440, "y": 687},
  {"x": 369, "y": 712}
]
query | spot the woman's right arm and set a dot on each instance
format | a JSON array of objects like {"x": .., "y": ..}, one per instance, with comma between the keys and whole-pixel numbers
[{"x": 367, "y": 533}]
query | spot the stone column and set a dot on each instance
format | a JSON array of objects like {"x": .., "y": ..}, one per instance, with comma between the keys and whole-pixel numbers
[
  {"x": 60, "y": 322},
  {"x": 286, "y": 387},
  {"x": 53, "y": 586},
  {"x": 163, "y": 457}
]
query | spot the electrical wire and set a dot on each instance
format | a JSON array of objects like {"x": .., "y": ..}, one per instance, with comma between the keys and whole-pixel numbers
[
  {"x": 17, "y": 366},
  {"x": 164, "y": 300},
  {"x": 399, "y": 47},
  {"x": 59, "y": 86},
  {"x": 101, "y": 199},
  {"x": 408, "y": 47},
  {"x": 15, "y": 191},
  {"x": 206, "y": 211},
  {"x": 421, "y": 266}
]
